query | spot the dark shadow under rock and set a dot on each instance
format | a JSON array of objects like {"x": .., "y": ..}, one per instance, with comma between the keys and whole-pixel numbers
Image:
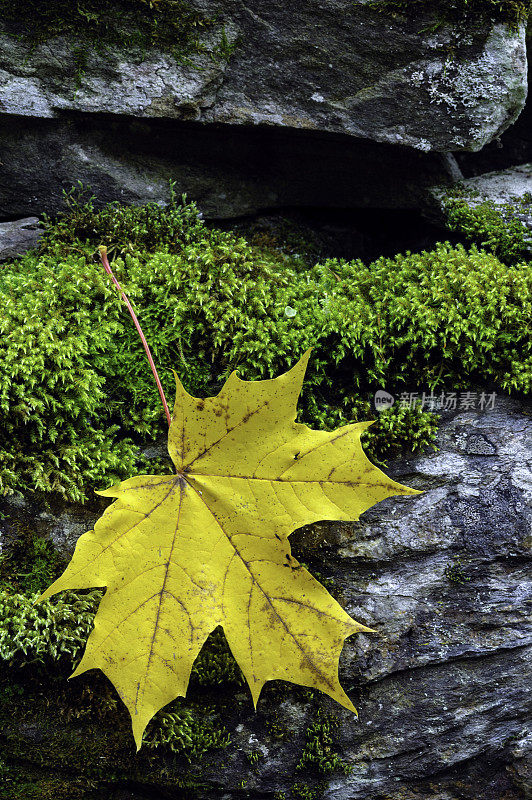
[{"x": 229, "y": 170}]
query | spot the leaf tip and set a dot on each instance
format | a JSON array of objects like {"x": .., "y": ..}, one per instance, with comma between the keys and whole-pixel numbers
[
  {"x": 80, "y": 669},
  {"x": 366, "y": 423},
  {"x": 138, "y": 725},
  {"x": 48, "y": 592},
  {"x": 365, "y": 629},
  {"x": 180, "y": 392},
  {"x": 302, "y": 364},
  {"x": 344, "y": 701},
  {"x": 255, "y": 689}
]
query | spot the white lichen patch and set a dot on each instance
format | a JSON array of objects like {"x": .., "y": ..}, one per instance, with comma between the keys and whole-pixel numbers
[
  {"x": 488, "y": 91},
  {"x": 482, "y": 94}
]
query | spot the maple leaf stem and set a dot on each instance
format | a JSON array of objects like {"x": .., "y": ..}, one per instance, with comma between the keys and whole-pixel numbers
[{"x": 107, "y": 268}]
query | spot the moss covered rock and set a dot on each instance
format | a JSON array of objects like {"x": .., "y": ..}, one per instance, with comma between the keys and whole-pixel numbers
[
  {"x": 493, "y": 210},
  {"x": 435, "y": 575}
]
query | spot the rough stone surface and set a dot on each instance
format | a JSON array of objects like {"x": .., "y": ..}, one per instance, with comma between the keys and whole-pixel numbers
[
  {"x": 337, "y": 66},
  {"x": 18, "y": 237},
  {"x": 513, "y": 147},
  {"x": 62, "y": 524},
  {"x": 443, "y": 687},
  {"x": 339, "y": 70},
  {"x": 505, "y": 186},
  {"x": 375, "y": 77}
]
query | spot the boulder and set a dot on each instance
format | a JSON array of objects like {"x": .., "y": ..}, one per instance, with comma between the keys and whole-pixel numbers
[
  {"x": 442, "y": 687},
  {"x": 339, "y": 66},
  {"x": 335, "y": 69}
]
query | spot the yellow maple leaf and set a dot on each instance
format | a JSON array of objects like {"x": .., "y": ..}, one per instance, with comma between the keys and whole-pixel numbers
[{"x": 182, "y": 554}]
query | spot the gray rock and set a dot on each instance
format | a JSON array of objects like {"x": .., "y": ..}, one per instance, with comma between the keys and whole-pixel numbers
[
  {"x": 501, "y": 187},
  {"x": 513, "y": 147},
  {"x": 340, "y": 70},
  {"x": 36, "y": 82},
  {"x": 375, "y": 77},
  {"x": 62, "y": 523},
  {"x": 443, "y": 686},
  {"x": 18, "y": 237},
  {"x": 338, "y": 66}
]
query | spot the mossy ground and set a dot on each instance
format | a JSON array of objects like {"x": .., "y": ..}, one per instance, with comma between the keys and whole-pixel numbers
[
  {"x": 78, "y": 398},
  {"x": 58, "y": 737}
]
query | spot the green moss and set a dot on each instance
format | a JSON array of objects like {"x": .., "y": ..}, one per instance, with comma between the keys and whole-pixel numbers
[
  {"x": 277, "y": 728},
  {"x": 77, "y": 396},
  {"x": 125, "y": 230},
  {"x": 254, "y": 756},
  {"x": 319, "y": 758},
  {"x": 224, "y": 50},
  {"x": 495, "y": 227},
  {"x": 189, "y": 731},
  {"x": 455, "y": 572},
  {"x": 30, "y": 564},
  {"x": 28, "y": 783},
  {"x": 48, "y": 631},
  {"x": 319, "y": 754},
  {"x": 302, "y": 791},
  {"x": 215, "y": 666}
]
